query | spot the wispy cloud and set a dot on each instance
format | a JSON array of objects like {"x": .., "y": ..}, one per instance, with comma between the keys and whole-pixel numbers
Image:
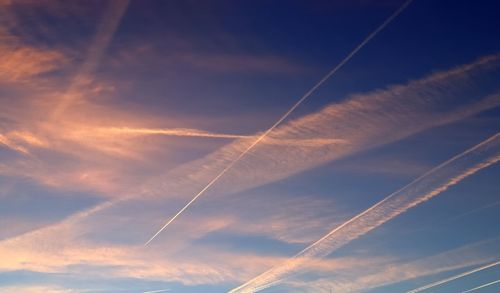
[
  {"x": 21, "y": 62},
  {"x": 422, "y": 189}
]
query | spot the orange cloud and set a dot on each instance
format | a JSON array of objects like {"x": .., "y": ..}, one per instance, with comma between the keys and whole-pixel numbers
[{"x": 21, "y": 62}]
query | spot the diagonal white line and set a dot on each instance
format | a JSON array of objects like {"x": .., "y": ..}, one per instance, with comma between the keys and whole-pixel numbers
[
  {"x": 482, "y": 286},
  {"x": 300, "y": 101},
  {"x": 157, "y": 291},
  {"x": 418, "y": 191},
  {"x": 454, "y": 277}
]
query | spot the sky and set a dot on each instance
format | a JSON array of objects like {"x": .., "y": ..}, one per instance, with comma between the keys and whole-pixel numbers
[{"x": 116, "y": 114}]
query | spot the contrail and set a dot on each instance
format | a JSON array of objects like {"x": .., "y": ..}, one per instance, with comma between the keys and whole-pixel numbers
[
  {"x": 454, "y": 277},
  {"x": 171, "y": 132},
  {"x": 300, "y": 101},
  {"x": 107, "y": 28},
  {"x": 422, "y": 189},
  {"x": 190, "y": 132},
  {"x": 475, "y": 210},
  {"x": 156, "y": 291},
  {"x": 482, "y": 286}
]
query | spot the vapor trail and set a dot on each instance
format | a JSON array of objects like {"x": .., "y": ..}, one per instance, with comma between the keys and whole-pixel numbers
[
  {"x": 300, "y": 101},
  {"x": 476, "y": 210},
  {"x": 107, "y": 28},
  {"x": 190, "y": 132},
  {"x": 482, "y": 286},
  {"x": 157, "y": 291},
  {"x": 454, "y": 277},
  {"x": 422, "y": 189},
  {"x": 171, "y": 132}
]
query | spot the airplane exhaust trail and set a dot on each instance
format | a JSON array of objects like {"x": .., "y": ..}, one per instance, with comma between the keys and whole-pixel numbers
[
  {"x": 157, "y": 291},
  {"x": 420, "y": 190},
  {"x": 454, "y": 278},
  {"x": 171, "y": 132},
  {"x": 107, "y": 28},
  {"x": 190, "y": 132},
  {"x": 280, "y": 120},
  {"x": 482, "y": 286}
]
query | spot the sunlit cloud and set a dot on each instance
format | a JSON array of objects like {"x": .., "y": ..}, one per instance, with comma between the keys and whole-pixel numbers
[{"x": 21, "y": 62}]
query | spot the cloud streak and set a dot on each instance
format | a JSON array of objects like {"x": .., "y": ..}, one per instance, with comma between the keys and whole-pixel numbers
[{"x": 422, "y": 189}]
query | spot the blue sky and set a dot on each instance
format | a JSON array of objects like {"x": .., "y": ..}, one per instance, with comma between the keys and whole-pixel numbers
[{"x": 115, "y": 114}]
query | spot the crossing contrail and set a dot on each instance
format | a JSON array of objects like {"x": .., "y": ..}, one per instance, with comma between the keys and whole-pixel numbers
[
  {"x": 454, "y": 277},
  {"x": 420, "y": 190},
  {"x": 300, "y": 101},
  {"x": 482, "y": 286}
]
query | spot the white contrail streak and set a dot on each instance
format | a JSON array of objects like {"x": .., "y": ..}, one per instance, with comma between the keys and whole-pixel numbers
[
  {"x": 422, "y": 189},
  {"x": 157, "y": 291},
  {"x": 476, "y": 210},
  {"x": 482, "y": 286},
  {"x": 454, "y": 277},
  {"x": 190, "y": 132},
  {"x": 171, "y": 132},
  {"x": 300, "y": 101}
]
